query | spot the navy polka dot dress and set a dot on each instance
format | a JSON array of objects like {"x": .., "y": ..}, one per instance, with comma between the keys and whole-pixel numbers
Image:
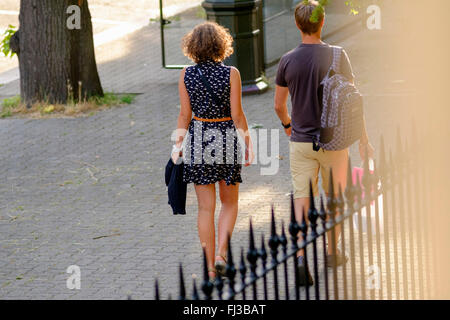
[{"x": 212, "y": 152}]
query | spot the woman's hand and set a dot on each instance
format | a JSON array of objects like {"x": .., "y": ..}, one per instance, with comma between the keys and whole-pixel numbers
[
  {"x": 177, "y": 152},
  {"x": 249, "y": 155},
  {"x": 176, "y": 156},
  {"x": 184, "y": 117}
]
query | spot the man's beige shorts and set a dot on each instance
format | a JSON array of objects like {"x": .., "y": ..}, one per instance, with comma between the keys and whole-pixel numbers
[{"x": 306, "y": 163}]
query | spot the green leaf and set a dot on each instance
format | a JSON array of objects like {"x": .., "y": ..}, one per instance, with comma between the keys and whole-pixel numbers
[{"x": 4, "y": 44}]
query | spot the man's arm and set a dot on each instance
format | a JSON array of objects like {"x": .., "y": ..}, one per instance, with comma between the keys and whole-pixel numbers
[
  {"x": 281, "y": 96},
  {"x": 364, "y": 138},
  {"x": 364, "y": 141}
]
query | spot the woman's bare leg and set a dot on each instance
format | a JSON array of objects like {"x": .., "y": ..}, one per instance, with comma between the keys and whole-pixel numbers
[
  {"x": 206, "y": 197},
  {"x": 229, "y": 196}
]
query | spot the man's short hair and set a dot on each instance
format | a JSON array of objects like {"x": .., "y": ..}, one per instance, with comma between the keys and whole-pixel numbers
[{"x": 303, "y": 13}]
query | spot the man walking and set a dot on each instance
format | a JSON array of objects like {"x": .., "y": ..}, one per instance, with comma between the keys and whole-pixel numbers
[{"x": 300, "y": 73}]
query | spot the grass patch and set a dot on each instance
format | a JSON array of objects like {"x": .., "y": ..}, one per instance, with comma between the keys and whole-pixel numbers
[
  {"x": 9, "y": 105},
  {"x": 14, "y": 107}
]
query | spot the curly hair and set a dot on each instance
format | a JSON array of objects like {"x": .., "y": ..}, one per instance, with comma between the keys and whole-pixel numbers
[{"x": 207, "y": 41}]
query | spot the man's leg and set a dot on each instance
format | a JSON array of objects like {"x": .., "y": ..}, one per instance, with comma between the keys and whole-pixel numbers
[{"x": 304, "y": 168}]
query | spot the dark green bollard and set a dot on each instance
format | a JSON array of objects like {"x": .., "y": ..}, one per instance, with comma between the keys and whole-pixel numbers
[{"x": 244, "y": 20}]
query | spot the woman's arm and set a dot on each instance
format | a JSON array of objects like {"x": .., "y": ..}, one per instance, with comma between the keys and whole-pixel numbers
[
  {"x": 185, "y": 115},
  {"x": 237, "y": 113}
]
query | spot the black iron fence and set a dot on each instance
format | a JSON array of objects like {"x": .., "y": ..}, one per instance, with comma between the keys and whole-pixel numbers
[{"x": 383, "y": 232}]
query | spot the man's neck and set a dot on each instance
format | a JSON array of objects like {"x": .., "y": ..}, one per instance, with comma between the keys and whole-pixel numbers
[{"x": 311, "y": 39}]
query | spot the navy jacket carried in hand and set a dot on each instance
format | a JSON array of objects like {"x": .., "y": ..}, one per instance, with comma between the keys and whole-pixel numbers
[{"x": 176, "y": 187}]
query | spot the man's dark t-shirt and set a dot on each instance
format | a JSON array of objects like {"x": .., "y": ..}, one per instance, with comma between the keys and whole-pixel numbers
[{"x": 302, "y": 70}]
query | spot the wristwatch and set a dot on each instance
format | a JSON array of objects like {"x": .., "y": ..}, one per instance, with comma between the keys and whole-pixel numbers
[{"x": 287, "y": 126}]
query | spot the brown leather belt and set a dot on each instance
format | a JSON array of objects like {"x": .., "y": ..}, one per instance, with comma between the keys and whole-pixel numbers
[{"x": 213, "y": 120}]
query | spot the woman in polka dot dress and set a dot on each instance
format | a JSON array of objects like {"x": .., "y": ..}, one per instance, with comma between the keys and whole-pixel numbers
[{"x": 211, "y": 91}]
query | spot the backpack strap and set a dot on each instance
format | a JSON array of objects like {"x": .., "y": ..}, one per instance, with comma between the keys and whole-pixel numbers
[
  {"x": 208, "y": 87},
  {"x": 335, "y": 67},
  {"x": 336, "y": 64}
]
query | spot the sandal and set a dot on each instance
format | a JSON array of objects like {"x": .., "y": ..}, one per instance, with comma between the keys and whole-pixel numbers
[
  {"x": 212, "y": 270},
  {"x": 221, "y": 266}
]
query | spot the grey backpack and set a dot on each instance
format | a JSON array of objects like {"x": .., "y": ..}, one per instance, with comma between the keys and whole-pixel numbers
[{"x": 341, "y": 123}]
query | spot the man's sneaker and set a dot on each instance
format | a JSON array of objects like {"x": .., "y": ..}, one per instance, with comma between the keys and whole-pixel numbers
[
  {"x": 340, "y": 260},
  {"x": 303, "y": 273}
]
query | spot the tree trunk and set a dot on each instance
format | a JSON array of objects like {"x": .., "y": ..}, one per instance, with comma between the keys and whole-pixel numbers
[{"x": 52, "y": 58}]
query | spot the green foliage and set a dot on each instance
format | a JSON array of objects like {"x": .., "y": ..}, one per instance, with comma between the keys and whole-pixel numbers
[
  {"x": 111, "y": 99},
  {"x": 354, "y": 5},
  {"x": 11, "y": 102},
  {"x": 4, "y": 44},
  {"x": 318, "y": 11},
  {"x": 14, "y": 105},
  {"x": 8, "y": 105},
  {"x": 128, "y": 99}
]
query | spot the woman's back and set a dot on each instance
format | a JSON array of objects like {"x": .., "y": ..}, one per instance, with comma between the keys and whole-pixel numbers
[{"x": 202, "y": 103}]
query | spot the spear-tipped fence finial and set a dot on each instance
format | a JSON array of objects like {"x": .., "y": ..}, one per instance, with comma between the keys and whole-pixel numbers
[
  {"x": 331, "y": 198},
  {"x": 230, "y": 270},
  {"x": 182, "y": 287},
  {"x": 294, "y": 228},
  {"x": 340, "y": 201},
  {"x": 243, "y": 272},
  {"x": 274, "y": 240},
  {"x": 156, "y": 290},
  {"x": 207, "y": 286},
  {"x": 195, "y": 295},
  {"x": 313, "y": 215}
]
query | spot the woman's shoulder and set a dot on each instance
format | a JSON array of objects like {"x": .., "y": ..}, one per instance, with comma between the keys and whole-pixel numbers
[
  {"x": 234, "y": 73},
  {"x": 188, "y": 71},
  {"x": 233, "y": 70}
]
